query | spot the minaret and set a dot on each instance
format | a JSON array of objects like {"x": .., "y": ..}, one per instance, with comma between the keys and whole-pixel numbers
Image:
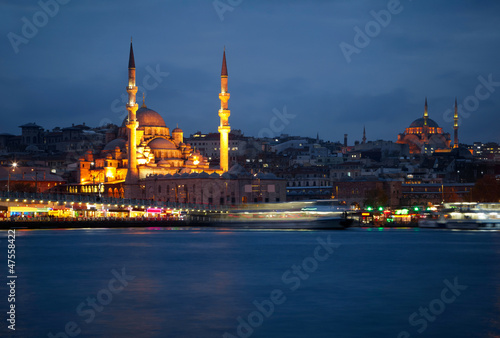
[
  {"x": 455, "y": 125},
  {"x": 426, "y": 114},
  {"x": 364, "y": 135},
  {"x": 132, "y": 124},
  {"x": 224, "y": 113}
]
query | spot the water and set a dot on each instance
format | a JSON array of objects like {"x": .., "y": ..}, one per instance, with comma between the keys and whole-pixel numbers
[{"x": 197, "y": 283}]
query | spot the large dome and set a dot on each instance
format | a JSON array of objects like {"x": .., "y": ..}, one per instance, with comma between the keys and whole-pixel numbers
[
  {"x": 147, "y": 118},
  {"x": 420, "y": 123}
]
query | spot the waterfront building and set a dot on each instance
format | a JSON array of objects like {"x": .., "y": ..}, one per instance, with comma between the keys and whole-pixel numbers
[
  {"x": 307, "y": 182},
  {"x": 434, "y": 193},
  {"x": 29, "y": 179}
]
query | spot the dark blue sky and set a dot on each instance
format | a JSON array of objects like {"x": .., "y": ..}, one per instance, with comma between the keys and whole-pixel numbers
[{"x": 279, "y": 53}]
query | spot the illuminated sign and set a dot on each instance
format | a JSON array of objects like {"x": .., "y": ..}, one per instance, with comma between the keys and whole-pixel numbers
[{"x": 153, "y": 210}]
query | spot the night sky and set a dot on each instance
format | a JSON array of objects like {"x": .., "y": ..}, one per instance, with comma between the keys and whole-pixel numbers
[{"x": 293, "y": 63}]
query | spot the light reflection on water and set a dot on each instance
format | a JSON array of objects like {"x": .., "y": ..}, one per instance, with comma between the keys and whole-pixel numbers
[{"x": 196, "y": 282}]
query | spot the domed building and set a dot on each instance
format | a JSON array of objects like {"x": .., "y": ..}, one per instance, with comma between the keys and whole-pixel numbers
[
  {"x": 424, "y": 135},
  {"x": 154, "y": 151}
]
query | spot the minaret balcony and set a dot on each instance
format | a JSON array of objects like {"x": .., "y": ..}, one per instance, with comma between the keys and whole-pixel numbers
[{"x": 224, "y": 97}]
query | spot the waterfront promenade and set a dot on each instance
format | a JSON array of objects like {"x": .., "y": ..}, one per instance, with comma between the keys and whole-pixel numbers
[{"x": 30, "y": 207}]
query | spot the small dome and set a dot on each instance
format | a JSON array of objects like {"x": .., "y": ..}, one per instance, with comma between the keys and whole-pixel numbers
[
  {"x": 32, "y": 148},
  {"x": 237, "y": 169},
  {"x": 118, "y": 142},
  {"x": 161, "y": 143},
  {"x": 420, "y": 123},
  {"x": 177, "y": 130},
  {"x": 204, "y": 175},
  {"x": 147, "y": 118}
]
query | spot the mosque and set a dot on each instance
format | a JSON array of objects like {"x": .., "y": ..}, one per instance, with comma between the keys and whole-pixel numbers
[
  {"x": 425, "y": 136},
  {"x": 146, "y": 157},
  {"x": 144, "y": 146}
]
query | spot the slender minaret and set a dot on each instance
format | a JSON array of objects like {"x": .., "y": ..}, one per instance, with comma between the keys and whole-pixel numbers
[
  {"x": 224, "y": 113},
  {"x": 132, "y": 124},
  {"x": 455, "y": 125},
  {"x": 426, "y": 114},
  {"x": 364, "y": 135}
]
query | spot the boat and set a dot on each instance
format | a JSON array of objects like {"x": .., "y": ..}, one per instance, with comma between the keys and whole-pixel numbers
[
  {"x": 429, "y": 219},
  {"x": 470, "y": 216},
  {"x": 319, "y": 214}
]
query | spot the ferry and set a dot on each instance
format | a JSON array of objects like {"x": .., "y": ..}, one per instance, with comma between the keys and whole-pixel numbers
[
  {"x": 467, "y": 216},
  {"x": 320, "y": 214}
]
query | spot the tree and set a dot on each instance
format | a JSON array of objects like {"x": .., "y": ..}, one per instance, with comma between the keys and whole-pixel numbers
[
  {"x": 486, "y": 189},
  {"x": 376, "y": 197}
]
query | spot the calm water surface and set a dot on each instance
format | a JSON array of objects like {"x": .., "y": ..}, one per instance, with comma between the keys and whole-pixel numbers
[{"x": 222, "y": 283}]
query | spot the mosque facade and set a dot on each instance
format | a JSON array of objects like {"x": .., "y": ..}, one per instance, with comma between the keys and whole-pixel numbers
[
  {"x": 424, "y": 135},
  {"x": 144, "y": 146}
]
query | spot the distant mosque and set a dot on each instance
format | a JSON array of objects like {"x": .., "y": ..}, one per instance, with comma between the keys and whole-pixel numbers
[{"x": 425, "y": 136}]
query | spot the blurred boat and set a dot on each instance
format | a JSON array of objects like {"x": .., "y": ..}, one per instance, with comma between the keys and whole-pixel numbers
[
  {"x": 429, "y": 219},
  {"x": 467, "y": 216},
  {"x": 320, "y": 214}
]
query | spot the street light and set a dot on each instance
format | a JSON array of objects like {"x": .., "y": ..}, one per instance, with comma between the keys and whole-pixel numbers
[{"x": 14, "y": 165}]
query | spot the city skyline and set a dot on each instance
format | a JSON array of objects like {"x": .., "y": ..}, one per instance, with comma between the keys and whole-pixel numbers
[{"x": 316, "y": 67}]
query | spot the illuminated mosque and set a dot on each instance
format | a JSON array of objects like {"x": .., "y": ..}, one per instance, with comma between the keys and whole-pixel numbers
[
  {"x": 144, "y": 146},
  {"x": 425, "y": 136}
]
